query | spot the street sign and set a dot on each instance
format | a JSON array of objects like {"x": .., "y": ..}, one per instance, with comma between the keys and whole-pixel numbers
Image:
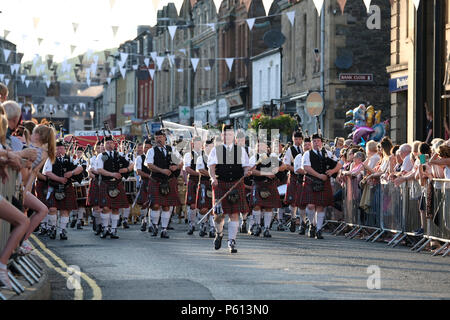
[
  {"x": 185, "y": 113},
  {"x": 314, "y": 104},
  {"x": 355, "y": 77},
  {"x": 91, "y": 133}
]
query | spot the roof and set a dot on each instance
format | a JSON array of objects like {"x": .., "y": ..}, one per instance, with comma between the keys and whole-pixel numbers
[{"x": 93, "y": 91}]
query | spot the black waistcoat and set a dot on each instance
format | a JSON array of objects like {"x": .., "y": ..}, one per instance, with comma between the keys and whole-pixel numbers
[
  {"x": 144, "y": 169},
  {"x": 229, "y": 167},
  {"x": 319, "y": 164},
  {"x": 161, "y": 161}
]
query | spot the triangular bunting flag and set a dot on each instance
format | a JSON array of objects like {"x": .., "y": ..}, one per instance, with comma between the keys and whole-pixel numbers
[
  {"x": 153, "y": 54},
  {"x": 35, "y": 59},
  {"x": 112, "y": 3},
  {"x": 114, "y": 29},
  {"x": 172, "y": 59},
  {"x": 2, "y": 76},
  {"x": 367, "y": 3},
  {"x": 147, "y": 62},
  {"x": 172, "y": 30},
  {"x": 291, "y": 16},
  {"x": 195, "y": 62},
  {"x": 135, "y": 66},
  {"x": 47, "y": 83},
  {"x": 178, "y": 5},
  {"x": 267, "y": 4},
  {"x": 121, "y": 63},
  {"x": 217, "y": 4},
  {"x": 343, "y": 2},
  {"x": 75, "y": 27},
  {"x": 6, "y": 53},
  {"x": 40, "y": 40},
  {"x": 123, "y": 57},
  {"x": 229, "y": 63},
  {"x": 318, "y": 4},
  {"x": 113, "y": 70},
  {"x": 211, "y": 62},
  {"x": 159, "y": 61},
  {"x": 22, "y": 77},
  {"x": 250, "y": 23},
  {"x": 180, "y": 70},
  {"x": 108, "y": 80},
  {"x": 416, "y": 4},
  {"x": 27, "y": 83},
  {"x": 7, "y": 81},
  {"x": 183, "y": 51},
  {"x": 66, "y": 106},
  {"x": 36, "y": 22},
  {"x": 207, "y": 68},
  {"x": 72, "y": 49},
  {"x": 212, "y": 26},
  {"x": 5, "y": 33},
  {"x": 152, "y": 73},
  {"x": 123, "y": 71}
]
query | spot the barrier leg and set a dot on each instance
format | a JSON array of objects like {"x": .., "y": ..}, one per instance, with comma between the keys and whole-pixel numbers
[
  {"x": 19, "y": 269},
  {"x": 357, "y": 231},
  {"x": 399, "y": 240},
  {"x": 31, "y": 267},
  {"x": 418, "y": 244},
  {"x": 340, "y": 230},
  {"x": 424, "y": 245},
  {"x": 378, "y": 236},
  {"x": 446, "y": 252},
  {"x": 349, "y": 233},
  {"x": 370, "y": 237},
  {"x": 33, "y": 260},
  {"x": 17, "y": 287},
  {"x": 2, "y": 297},
  {"x": 338, "y": 227},
  {"x": 395, "y": 238},
  {"x": 25, "y": 267},
  {"x": 440, "y": 249}
]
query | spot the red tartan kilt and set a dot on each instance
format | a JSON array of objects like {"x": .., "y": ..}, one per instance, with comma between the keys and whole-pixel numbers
[
  {"x": 322, "y": 199},
  {"x": 118, "y": 202},
  {"x": 191, "y": 193},
  {"x": 172, "y": 199},
  {"x": 273, "y": 201},
  {"x": 93, "y": 198},
  {"x": 39, "y": 189},
  {"x": 144, "y": 192},
  {"x": 293, "y": 187},
  {"x": 69, "y": 203},
  {"x": 203, "y": 203},
  {"x": 228, "y": 208}
]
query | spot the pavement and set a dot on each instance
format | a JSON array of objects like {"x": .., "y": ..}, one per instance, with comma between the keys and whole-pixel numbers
[{"x": 286, "y": 266}]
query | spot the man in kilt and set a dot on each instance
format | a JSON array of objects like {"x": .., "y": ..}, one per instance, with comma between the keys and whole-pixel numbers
[
  {"x": 265, "y": 194},
  {"x": 204, "y": 189},
  {"x": 190, "y": 165},
  {"x": 61, "y": 193},
  {"x": 144, "y": 186},
  {"x": 165, "y": 163},
  {"x": 240, "y": 142},
  {"x": 93, "y": 196},
  {"x": 282, "y": 177},
  {"x": 293, "y": 185},
  {"x": 79, "y": 213},
  {"x": 300, "y": 173},
  {"x": 112, "y": 192},
  {"x": 228, "y": 165},
  {"x": 317, "y": 194}
]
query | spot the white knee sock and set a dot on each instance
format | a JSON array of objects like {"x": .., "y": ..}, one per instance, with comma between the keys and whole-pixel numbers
[
  {"x": 219, "y": 226},
  {"x": 257, "y": 217},
  {"x": 165, "y": 217},
  {"x": 114, "y": 220},
  {"x": 80, "y": 213},
  {"x": 63, "y": 223},
  {"x": 105, "y": 219},
  {"x": 44, "y": 221},
  {"x": 233, "y": 227},
  {"x": 97, "y": 216},
  {"x": 293, "y": 212},
  {"x": 191, "y": 216},
  {"x": 126, "y": 213},
  {"x": 52, "y": 218},
  {"x": 280, "y": 213},
  {"x": 267, "y": 219},
  {"x": 154, "y": 215},
  {"x": 144, "y": 215},
  {"x": 320, "y": 216},
  {"x": 250, "y": 221},
  {"x": 302, "y": 214},
  {"x": 211, "y": 223},
  {"x": 311, "y": 215}
]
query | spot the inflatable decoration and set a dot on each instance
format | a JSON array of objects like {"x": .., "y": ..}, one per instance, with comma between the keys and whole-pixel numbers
[{"x": 366, "y": 124}]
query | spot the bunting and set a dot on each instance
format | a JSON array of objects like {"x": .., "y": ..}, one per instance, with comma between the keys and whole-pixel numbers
[
  {"x": 75, "y": 27},
  {"x": 367, "y": 3},
  {"x": 114, "y": 29},
  {"x": 159, "y": 62},
  {"x": 172, "y": 30},
  {"x": 416, "y": 4},
  {"x": 6, "y": 81},
  {"x": 318, "y": 4},
  {"x": 343, "y": 2},
  {"x": 147, "y": 62},
  {"x": 6, "y": 53},
  {"x": 250, "y": 23},
  {"x": 5, "y": 33},
  {"x": 291, "y": 16},
  {"x": 217, "y": 4},
  {"x": 195, "y": 62},
  {"x": 152, "y": 73}
]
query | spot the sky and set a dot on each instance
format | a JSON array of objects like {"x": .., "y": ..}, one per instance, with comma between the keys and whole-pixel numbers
[{"x": 52, "y": 21}]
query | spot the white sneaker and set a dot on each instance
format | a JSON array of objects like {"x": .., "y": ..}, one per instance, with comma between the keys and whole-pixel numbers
[
  {"x": 27, "y": 245},
  {"x": 4, "y": 279}
]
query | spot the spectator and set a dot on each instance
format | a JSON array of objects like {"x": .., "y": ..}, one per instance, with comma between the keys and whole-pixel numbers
[
  {"x": 348, "y": 143},
  {"x": 357, "y": 167},
  {"x": 3, "y": 93},
  {"x": 338, "y": 145},
  {"x": 405, "y": 153},
  {"x": 386, "y": 147},
  {"x": 372, "y": 156},
  {"x": 13, "y": 115}
]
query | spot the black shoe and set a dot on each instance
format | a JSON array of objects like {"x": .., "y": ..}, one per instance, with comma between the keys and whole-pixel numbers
[
  {"x": 280, "y": 227},
  {"x": 73, "y": 223},
  {"x": 302, "y": 229},
  {"x": 251, "y": 230},
  {"x": 171, "y": 228},
  {"x": 98, "y": 229},
  {"x": 311, "y": 231},
  {"x": 232, "y": 246},
  {"x": 258, "y": 231},
  {"x": 202, "y": 232},
  {"x": 243, "y": 228},
  {"x": 191, "y": 230},
  {"x": 43, "y": 232},
  {"x": 79, "y": 227},
  {"x": 113, "y": 234},
  {"x": 267, "y": 234},
  {"x": 105, "y": 233},
  {"x": 125, "y": 225},
  {"x": 319, "y": 234},
  {"x": 53, "y": 233},
  {"x": 119, "y": 223},
  {"x": 164, "y": 234},
  {"x": 212, "y": 234},
  {"x": 218, "y": 241},
  {"x": 144, "y": 227},
  {"x": 292, "y": 226},
  {"x": 154, "y": 230},
  {"x": 62, "y": 235}
]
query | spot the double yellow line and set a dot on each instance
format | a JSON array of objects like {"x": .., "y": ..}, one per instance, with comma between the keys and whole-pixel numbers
[{"x": 78, "y": 294}]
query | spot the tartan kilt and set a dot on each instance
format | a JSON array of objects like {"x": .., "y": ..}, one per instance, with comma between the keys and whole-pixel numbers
[
  {"x": 273, "y": 201},
  {"x": 40, "y": 191},
  {"x": 323, "y": 198},
  {"x": 69, "y": 203},
  {"x": 144, "y": 193},
  {"x": 203, "y": 203},
  {"x": 93, "y": 198},
  {"x": 191, "y": 194},
  {"x": 171, "y": 199},
  {"x": 121, "y": 201},
  {"x": 293, "y": 187},
  {"x": 228, "y": 208}
]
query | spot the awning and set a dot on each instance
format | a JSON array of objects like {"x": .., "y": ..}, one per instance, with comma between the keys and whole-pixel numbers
[
  {"x": 237, "y": 114},
  {"x": 302, "y": 95}
]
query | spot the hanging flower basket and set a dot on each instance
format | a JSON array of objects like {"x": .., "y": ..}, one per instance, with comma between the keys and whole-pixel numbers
[{"x": 285, "y": 123}]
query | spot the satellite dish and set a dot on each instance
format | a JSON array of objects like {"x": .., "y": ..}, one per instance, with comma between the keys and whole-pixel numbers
[{"x": 274, "y": 38}]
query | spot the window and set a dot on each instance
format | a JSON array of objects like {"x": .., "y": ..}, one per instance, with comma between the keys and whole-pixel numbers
[
  {"x": 304, "y": 33},
  {"x": 269, "y": 70}
]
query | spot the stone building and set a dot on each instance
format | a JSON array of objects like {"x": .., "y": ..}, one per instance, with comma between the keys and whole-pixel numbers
[
  {"x": 8, "y": 77},
  {"x": 354, "y": 49}
]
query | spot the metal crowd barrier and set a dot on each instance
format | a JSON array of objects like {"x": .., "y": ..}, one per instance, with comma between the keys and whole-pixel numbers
[
  {"x": 396, "y": 210},
  {"x": 7, "y": 190}
]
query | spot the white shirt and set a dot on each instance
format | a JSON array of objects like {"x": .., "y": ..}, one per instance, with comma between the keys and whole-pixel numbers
[
  {"x": 200, "y": 165},
  {"x": 149, "y": 158},
  {"x": 252, "y": 160},
  {"x": 373, "y": 161},
  {"x": 188, "y": 158},
  {"x": 138, "y": 163},
  {"x": 288, "y": 159},
  {"x": 306, "y": 159},
  {"x": 99, "y": 163},
  {"x": 93, "y": 163},
  {"x": 298, "y": 162},
  {"x": 212, "y": 159},
  {"x": 48, "y": 166},
  {"x": 407, "y": 164}
]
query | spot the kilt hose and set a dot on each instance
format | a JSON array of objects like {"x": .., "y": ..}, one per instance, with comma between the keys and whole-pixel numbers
[
  {"x": 40, "y": 191},
  {"x": 69, "y": 203},
  {"x": 202, "y": 200},
  {"x": 93, "y": 198},
  {"x": 171, "y": 199},
  {"x": 322, "y": 198},
  {"x": 293, "y": 187},
  {"x": 121, "y": 201},
  {"x": 272, "y": 201},
  {"x": 144, "y": 193},
  {"x": 191, "y": 194},
  {"x": 228, "y": 208}
]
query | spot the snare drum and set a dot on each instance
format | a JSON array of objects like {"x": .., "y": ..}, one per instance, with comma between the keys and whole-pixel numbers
[
  {"x": 130, "y": 188},
  {"x": 81, "y": 192}
]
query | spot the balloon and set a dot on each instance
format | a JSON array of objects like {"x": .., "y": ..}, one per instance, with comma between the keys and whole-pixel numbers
[
  {"x": 349, "y": 124},
  {"x": 360, "y": 132},
  {"x": 379, "y": 131},
  {"x": 370, "y": 114},
  {"x": 378, "y": 117}
]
